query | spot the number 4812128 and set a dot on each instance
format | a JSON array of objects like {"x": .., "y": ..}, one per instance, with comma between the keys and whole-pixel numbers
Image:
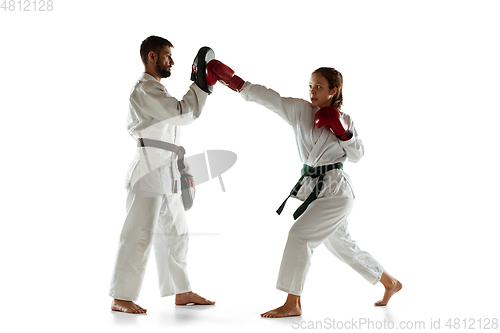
[{"x": 27, "y": 5}]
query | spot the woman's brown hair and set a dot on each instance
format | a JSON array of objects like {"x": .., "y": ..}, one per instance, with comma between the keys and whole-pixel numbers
[{"x": 334, "y": 79}]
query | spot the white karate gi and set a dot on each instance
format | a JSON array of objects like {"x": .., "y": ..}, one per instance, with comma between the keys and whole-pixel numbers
[
  {"x": 155, "y": 213},
  {"x": 325, "y": 219}
]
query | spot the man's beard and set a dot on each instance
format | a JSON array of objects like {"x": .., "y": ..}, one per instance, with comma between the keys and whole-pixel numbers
[{"x": 164, "y": 73}]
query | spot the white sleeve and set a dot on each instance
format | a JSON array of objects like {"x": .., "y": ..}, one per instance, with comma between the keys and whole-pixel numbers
[
  {"x": 286, "y": 108},
  {"x": 354, "y": 146},
  {"x": 154, "y": 100}
]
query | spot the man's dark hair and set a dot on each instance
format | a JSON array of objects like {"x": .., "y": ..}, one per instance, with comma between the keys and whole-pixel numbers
[{"x": 153, "y": 43}]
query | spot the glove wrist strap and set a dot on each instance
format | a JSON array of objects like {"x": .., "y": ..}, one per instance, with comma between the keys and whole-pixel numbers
[
  {"x": 346, "y": 136},
  {"x": 236, "y": 83}
]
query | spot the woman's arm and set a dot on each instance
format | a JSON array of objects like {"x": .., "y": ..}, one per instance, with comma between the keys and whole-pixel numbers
[
  {"x": 287, "y": 108},
  {"x": 354, "y": 146}
]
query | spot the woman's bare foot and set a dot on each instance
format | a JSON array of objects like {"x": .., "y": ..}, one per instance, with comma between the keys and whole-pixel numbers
[
  {"x": 190, "y": 297},
  {"x": 291, "y": 308},
  {"x": 126, "y": 306},
  {"x": 391, "y": 285}
]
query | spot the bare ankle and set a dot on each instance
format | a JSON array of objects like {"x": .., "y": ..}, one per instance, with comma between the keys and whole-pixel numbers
[{"x": 293, "y": 300}]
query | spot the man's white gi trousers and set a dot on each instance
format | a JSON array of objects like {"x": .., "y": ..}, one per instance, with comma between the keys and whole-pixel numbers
[
  {"x": 324, "y": 221},
  {"x": 158, "y": 220}
]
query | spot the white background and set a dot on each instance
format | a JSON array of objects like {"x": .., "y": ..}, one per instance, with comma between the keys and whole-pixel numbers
[{"x": 421, "y": 81}]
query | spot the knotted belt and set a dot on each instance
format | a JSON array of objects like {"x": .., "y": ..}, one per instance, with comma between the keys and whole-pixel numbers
[
  {"x": 314, "y": 173},
  {"x": 179, "y": 150}
]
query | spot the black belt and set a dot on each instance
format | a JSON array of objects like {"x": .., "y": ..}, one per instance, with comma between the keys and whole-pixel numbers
[
  {"x": 179, "y": 150},
  {"x": 314, "y": 173}
]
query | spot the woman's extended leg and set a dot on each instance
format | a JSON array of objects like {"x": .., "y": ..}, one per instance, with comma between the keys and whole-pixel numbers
[{"x": 346, "y": 249}]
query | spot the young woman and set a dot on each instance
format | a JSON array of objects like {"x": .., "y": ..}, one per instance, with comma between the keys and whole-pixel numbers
[{"x": 325, "y": 138}]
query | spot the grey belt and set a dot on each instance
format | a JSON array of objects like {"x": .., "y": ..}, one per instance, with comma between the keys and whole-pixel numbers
[{"x": 179, "y": 150}]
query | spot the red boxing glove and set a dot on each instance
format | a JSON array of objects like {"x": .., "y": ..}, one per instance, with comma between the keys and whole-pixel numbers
[
  {"x": 332, "y": 118},
  {"x": 209, "y": 74},
  {"x": 216, "y": 70}
]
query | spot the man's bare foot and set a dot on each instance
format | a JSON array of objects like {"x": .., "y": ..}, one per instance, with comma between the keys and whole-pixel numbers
[
  {"x": 391, "y": 286},
  {"x": 126, "y": 306},
  {"x": 291, "y": 308},
  {"x": 190, "y": 297}
]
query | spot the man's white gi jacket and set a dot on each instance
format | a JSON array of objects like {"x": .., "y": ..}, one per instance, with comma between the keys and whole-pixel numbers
[{"x": 155, "y": 114}]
